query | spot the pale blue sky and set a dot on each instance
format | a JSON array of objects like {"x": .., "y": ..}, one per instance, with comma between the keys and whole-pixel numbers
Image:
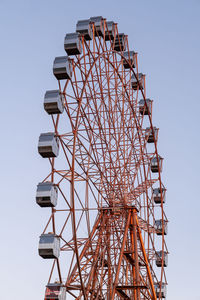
[{"x": 166, "y": 36}]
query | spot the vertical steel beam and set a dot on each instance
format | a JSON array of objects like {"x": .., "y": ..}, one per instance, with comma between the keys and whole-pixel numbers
[
  {"x": 146, "y": 261},
  {"x": 121, "y": 255},
  {"x": 135, "y": 248}
]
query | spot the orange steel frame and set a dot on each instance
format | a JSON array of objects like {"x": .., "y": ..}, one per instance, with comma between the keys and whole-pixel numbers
[{"x": 107, "y": 232}]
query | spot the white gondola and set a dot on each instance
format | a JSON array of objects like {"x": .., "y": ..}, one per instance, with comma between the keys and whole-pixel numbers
[
  {"x": 134, "y": 81},
  {"x": 62, "y": 68},
  {"x": 47, "y": 194},
  {"x": 119, "y": 43},
  {"x": 150, "y": 134},
  {"x": 84, "y": 28},
  {"x": 48, "y": 145},
  {"x": 109, "y": 30},
  {"x": 53, "y": 102},
  {"x": 157, "y": 195},
  {"x": 159, "y": 255},
  {"x": 145, "y": 109},
  {"x": 73, "y": 43},
  {"x": 49, "y": 246},
  {"x": 55, "y": 291},
  {"x": 162, "y": 291},
  {"x": 99, "y": 25},
  {"x": 156, "y": 164},
  {"x": 159, "y": 227},
  {"x": 129, "y": 59}
]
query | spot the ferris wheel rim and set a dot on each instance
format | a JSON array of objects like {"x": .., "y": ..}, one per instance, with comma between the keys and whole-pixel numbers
[{"x": 75, "y": 127}]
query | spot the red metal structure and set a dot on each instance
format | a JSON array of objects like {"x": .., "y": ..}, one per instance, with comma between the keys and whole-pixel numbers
[{"x": 110, "y": 215}]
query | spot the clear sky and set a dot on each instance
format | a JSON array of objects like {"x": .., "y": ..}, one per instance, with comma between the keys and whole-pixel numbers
[{"x": 166, "y": 36}]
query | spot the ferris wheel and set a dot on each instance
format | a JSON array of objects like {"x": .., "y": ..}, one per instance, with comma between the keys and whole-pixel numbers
[{"x": 105, "y": 235}]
